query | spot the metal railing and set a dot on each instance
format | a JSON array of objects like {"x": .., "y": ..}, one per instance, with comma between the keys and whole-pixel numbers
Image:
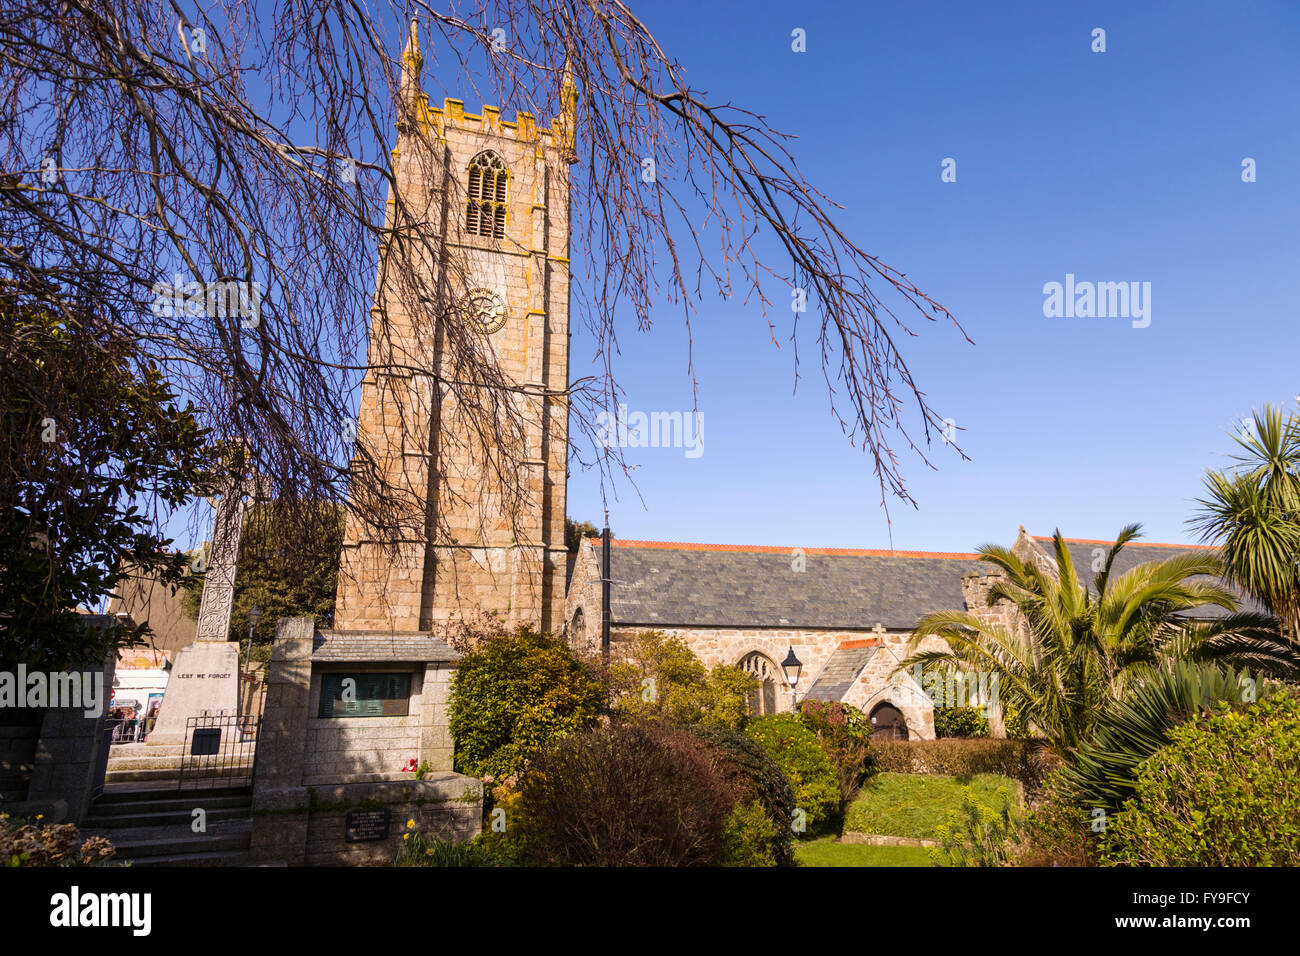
[
  {"x": 132, "y": 731},
  {"x": 220, "y": 750}
]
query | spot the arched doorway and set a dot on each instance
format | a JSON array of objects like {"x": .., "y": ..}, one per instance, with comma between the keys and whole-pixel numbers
[
  {"x": 763, "y": 699},
  {"x": 578, "y": 629},
  {"x": 887, "y": 723}
]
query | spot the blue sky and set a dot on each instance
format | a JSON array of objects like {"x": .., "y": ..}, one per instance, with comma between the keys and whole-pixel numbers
[{"x": 1116, "y": 166}]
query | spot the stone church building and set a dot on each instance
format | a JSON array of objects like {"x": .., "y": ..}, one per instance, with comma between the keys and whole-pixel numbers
[
  {"x": 499, "y": 190},
  {"x": 847, "y": 614}
]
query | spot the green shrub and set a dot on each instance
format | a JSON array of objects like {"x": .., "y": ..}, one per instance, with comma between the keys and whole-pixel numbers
[
  {"x": 1224, "y": 792},
  {"x": 748, "y": 837},
  {"x": 512, "y": 696},
  {"x": 754, "y": 775},
  {"x": 812, "y": 775},
  {"x": 1014, "y": 723},
  {"x": 960, "y": 722},
  {"x": 503, "y": 828},
  {"x": 976, "y": 834},
  {"x": 1102, "y": 773},
  {"x": 636, "y": 794},
  {"x": 1057, "y": 832},
  {"x": 662, "y": 678},
  {"x": 844, "y": 734}
]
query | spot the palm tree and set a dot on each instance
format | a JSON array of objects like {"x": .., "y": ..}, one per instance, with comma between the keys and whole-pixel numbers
[
  {"x": 1104, "y": 770},
  {"x": 1252, "y": 513},
  {"x": 1079, "y": 648}
]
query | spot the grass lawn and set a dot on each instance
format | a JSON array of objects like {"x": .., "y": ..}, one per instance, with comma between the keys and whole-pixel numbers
[
  {"x": 824, "y": 851},
  {"x": 913, "y": 804}
]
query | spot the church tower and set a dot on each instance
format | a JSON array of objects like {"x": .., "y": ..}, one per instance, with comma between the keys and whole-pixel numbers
[{"x": 462, "y": 543}]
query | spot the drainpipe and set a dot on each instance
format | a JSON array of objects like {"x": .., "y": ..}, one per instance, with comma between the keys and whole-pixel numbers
[{"x": 604, "y": 590}]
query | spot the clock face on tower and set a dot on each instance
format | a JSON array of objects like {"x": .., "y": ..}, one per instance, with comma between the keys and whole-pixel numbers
[{"x": 485, "y": 307}]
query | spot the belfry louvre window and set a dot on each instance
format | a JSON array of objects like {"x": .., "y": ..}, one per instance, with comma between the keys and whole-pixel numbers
[{"x": 485, "y": 210}]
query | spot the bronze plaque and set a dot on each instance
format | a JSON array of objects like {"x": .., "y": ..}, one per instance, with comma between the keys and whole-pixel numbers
[{"x": 363, "y": 825}]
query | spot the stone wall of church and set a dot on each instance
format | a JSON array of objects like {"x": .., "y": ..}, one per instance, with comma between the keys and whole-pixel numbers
[{"x": 814, "y": 648}]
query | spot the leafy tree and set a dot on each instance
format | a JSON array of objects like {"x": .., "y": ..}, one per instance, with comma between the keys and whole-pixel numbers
[
  {"x": 575, "y": 531},
  {"x": 1080, "y": 648},
  {"x": 514, "y": 695},
  {"x": 660, "y": 677},
  {"x": 88, "y": 432}
]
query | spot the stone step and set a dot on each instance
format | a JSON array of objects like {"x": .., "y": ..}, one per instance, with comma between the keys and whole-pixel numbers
[
  {"x": 147, "y": 749},
  {"x": 233, "y": 858},
  {"x": 182, "y": 816},
  {"x": 163, "y": 761},
  {"x": 144, "y": 792},
  {"x": 175, "y": 802},
  {"x": 144, "y": 750},
  {"x": 173, "y": 775},
  {"x": 140, "y": 843}
]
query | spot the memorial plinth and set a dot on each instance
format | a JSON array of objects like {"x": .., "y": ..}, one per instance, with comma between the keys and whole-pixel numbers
[{"x": 204, "y": 681}]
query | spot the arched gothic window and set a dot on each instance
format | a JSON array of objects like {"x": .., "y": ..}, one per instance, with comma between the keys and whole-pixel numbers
[
  {"x": 485, "y": 209},
  {"x": 763, "y": 699}
]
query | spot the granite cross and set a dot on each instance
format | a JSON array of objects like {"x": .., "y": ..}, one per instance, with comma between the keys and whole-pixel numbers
[{"x": 219, "y": 582}]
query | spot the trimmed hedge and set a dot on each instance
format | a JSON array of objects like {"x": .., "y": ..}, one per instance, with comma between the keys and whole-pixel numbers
[{"x": 1023, "y": 760}]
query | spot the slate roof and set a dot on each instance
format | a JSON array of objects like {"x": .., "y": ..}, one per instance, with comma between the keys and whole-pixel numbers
[
  {"x": 666, "y": 584},
  {"x": 364, "y": 646},
  {"x": 841, "y": 671}
]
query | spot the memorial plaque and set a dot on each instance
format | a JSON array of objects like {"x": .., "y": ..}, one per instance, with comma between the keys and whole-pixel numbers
[
  {"x": 206, "y": 741},
  {"x": 365, "y": 695},
  {"x": 363, "y": 825}
]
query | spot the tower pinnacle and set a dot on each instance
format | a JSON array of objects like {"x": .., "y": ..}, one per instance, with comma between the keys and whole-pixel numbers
[{"x": 412, "y": 65}]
